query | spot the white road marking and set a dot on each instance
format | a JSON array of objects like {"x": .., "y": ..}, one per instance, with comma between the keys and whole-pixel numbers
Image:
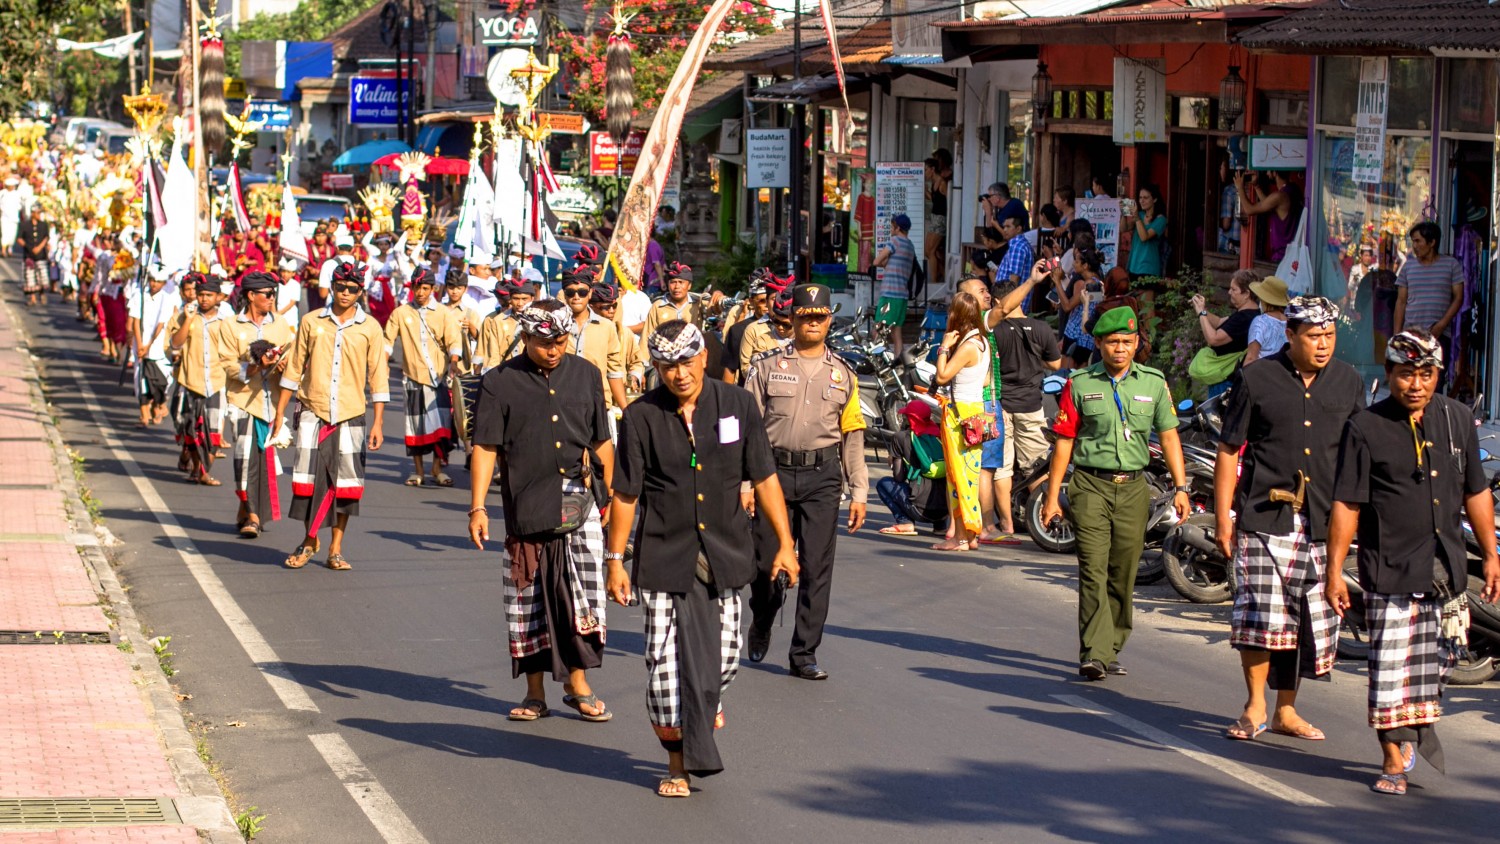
[
  {"x": 1192, "y": 751},
  {"x": 392, "y": 823},
  {"x": 292, "y": 695}
]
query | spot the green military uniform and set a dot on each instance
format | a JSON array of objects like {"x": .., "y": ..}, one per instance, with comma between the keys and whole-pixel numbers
[{"x": 1110, "y": 422}]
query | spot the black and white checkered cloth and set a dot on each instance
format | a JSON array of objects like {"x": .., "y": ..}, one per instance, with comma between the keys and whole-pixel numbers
[
  {"x": 664, "y": 683},
  {"x": 1409, "y": 666},
  {"x": 33, "y": 276},
  {"x": 429, "y": 418},
  {"x": 1277, "y": 579},
  {"x": 525, "y": 612},
  {"x": 350, "y": 471}
]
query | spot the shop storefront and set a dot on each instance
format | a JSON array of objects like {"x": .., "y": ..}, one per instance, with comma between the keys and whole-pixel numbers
[{"x": 1404, "y": 131}]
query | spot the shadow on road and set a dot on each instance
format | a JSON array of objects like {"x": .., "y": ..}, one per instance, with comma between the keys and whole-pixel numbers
[{"x": 339, "y": 680}]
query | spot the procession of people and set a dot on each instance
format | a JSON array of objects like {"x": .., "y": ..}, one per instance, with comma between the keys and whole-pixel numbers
[{"x": 735, "y": 468}]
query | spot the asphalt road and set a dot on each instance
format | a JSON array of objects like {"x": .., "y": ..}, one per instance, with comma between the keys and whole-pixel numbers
[{"x": 954, "y": 711}]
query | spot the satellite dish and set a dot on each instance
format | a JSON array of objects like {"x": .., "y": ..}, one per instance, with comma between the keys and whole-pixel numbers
[{"x": 503, "y": 87}]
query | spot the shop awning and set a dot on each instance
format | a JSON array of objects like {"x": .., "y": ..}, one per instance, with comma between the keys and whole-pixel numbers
[
  {"x": 1390, "y": 26},
  {"x": 450, "y": 139},
  {"x": 715, "y": 100},
  {"x": 365, "y": 154},
  {"x": 808, "y": 90}
]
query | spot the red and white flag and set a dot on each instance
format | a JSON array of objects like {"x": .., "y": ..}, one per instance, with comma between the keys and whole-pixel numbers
[
  {"x": 237, "y": 199},
  {"x": 293, "y": 243}
]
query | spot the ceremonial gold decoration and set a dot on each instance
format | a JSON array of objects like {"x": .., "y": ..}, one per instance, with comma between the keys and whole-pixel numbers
[
  {"x": 380, "y": 200},
  {"x": 148, "y": 111}
]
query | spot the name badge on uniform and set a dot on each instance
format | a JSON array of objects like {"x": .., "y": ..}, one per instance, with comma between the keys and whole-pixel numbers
[
  {"x": 729, "y": 430},
  {"x": 1093, "y": 397},
  {"x": 772, "y": 377},
  {"x": 1147, "y": 399}
]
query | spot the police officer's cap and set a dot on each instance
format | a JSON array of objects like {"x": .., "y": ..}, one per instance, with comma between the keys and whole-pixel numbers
[
  {"x": 1116, "y": 321},
  {"x": 812, "y": 299}
]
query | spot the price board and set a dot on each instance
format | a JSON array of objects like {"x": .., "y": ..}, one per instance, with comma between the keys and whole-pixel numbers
[{"x": 899, "y": 189}]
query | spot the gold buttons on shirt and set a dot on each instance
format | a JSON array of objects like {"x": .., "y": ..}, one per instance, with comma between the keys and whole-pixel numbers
[
  {"x": 701, "y": 527},
  {"x": 551, "y": 392},
  {"x": 558, "y": 444},
  {"x": 554, "y": 417},
  {"x": 562, "y": 471},
  {"x": 1434, "y": 502},
  {"x": 1307, "y": 395},
  {"x": 1434, "y": 473},
  {"x": 700, "y": 467},
  {"x": 700, "y": 496},
  {"x": 1307, "y": 423},
  {"x": 1307, "y": 451}
]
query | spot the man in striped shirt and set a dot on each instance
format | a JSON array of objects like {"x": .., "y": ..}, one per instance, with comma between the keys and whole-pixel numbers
[
  {"x": 1429, "y": 287},
  {"x": 898, "y": 257}
]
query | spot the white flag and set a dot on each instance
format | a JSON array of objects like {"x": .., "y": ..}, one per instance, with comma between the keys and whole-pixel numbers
[
  {"x": 476, "y": 220},
  {"x": 179, "y": 199},
  {"x": 510, "y": 193},
  {"x": 293, "y": 242}
]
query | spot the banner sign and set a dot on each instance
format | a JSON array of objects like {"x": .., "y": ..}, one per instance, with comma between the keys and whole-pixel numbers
[
  {"x": 509, "y": 30},
  {"x": 563, "y": 122},
  {"x": 1278, "y": 152},
  {"x": 338, "y": 181},
  {"x": 768, "y": 158},
  {"x": 1104, "y": 215},
  {"x": 1369, "y": 122},
  {"x": 272, "y": 115},
  {"x": 899, "y": 189},
  {"x": 377, "y": 101},
  {"x": 604, "y": 155},
  {"x": 1140, "y": 101}
]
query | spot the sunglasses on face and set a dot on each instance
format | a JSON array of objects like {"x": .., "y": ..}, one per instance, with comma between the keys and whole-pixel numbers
[
  {"x": 346, "y": 288},
  {"x": 260, "y": 292},
  {"x": 601, "y": 306},
  {"x": 575, "y": 292}
]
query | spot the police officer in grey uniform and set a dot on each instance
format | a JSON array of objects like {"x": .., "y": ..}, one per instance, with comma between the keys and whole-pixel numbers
[{"x": 809, "y": 399}]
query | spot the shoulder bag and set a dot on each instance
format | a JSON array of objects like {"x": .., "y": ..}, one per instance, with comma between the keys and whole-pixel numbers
[
  {"x": 576, "y": 505},
  {"x": 983, "y": 426}
]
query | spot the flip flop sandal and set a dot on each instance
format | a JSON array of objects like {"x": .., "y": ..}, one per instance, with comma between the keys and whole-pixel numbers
[
  {"x": 250, "y": 530},
  {"x": 1408, "y": 762},
  {"x": 578, "y": 702},
  {"x": 1306, "y": 732},
  {"x": 301, "y": 555},
  {"x": 529, "y": 710},
  {"x": 414, "y": 480},
  {"x": 1007, "y": 539},
  {"x": 1391, "y": 784},
  {"x": 1247, "y": 731},
  {"x": 668, "y": 787},
  {"x": 442, "y": 480},
  {"x": 894, "y": 530},
  {"x": 206, "y": 479},
  {"x": 336, "y": 562}
]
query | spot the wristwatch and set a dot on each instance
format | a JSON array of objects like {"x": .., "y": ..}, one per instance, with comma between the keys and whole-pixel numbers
[
  {"x": 1182, "y": 489},
  {"x": 1203, "y": 313},
  {"x": 614, "y": 555}
]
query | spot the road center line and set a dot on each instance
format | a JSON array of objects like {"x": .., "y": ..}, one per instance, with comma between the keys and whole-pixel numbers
[
  {"x": 292, "y": 694},
  {"x": 1194, "y": 752},
  {"x": 392, "y": 823}
]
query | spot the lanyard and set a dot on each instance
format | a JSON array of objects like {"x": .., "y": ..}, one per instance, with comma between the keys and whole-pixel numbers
[{"x": 1114, "y": 387}]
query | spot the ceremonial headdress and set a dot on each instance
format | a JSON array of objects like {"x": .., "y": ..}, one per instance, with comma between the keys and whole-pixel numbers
[
  {"x": 1415, "y": 349},
  {"x": 1312, "y": 310},
  {"x": 685, "y": 345},
  {"x": 545, "y": 324}
]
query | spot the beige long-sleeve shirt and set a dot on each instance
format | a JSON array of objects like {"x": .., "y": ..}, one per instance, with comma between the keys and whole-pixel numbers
[
  {"x": 429, "y": 337},
  {"x": 254, "y": 393},
  {"x": 599, "y": 343},
  {"x": 198, "y": 367},
  {"x": 497, "y": 336},
  {"x": 333, "y": 363}
]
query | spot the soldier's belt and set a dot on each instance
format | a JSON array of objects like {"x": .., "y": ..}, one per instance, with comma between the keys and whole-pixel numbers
[
  {"x": 1111, "y": 475},
  {"x": 795, "y": 459}
]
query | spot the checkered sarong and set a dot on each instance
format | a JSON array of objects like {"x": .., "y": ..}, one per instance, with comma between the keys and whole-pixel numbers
[
  {"x": 33, "y": 275},
  {"x": 664, "y": 683},
  {"x": 1278, "y": 579},
  {"x": 257, "y": 464},
  {"x": 328, "y": 469},
  {"x": 429, "y": 419},
  {"x": 525, "y": 613},
  {"x": 1409, "y": 665}
]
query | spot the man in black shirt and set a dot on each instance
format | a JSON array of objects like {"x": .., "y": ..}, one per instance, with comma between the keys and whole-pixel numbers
[
  {"x": 1287, "y": 412},
  {"x": 757, "y": 305},
  {"x": 1027, "y": 350},
  {"x": 685, "y": 449},
  {"x": 36, "y": 235},
  {"x": 541, "y": 414},
  {"x": 1411, "y": 448}
]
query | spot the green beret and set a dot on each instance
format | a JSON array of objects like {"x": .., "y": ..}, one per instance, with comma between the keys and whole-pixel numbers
[{"x": 1115, "y": 321}]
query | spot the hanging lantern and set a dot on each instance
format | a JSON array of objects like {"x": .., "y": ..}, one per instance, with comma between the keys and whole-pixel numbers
[
  {"x": 1231, "y": 98},
  {"x": 1041, "y": 94},
  {"x": 619, "y": 81}
]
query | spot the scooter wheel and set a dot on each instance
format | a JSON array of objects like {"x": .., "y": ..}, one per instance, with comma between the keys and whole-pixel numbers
[
  {"x": 1195, "y": 576},
  {"x": 1059, "y": 540}
]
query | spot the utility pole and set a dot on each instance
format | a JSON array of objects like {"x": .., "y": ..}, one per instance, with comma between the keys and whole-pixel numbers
[
  {"x": 130, "y": 56},
  {"x": 799, "y": 118},
  {"x": 411, "y": 82},
  {"x": 430, "y": 18},
  {"x": 200, "y": 160}
]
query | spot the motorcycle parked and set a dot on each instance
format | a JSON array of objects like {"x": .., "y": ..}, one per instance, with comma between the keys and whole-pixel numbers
[{"x": 1194, "y": 565}]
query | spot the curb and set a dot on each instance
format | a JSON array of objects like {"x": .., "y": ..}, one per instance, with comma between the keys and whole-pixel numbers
[{"x": 204, "y": 806}]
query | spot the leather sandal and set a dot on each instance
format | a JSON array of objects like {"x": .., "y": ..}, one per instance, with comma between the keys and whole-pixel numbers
[
  {"x": 530, "y": 709},
  {"x": 337, "y": 562},
  {"x": 670, "y": 786},
  {"x": 301, "y": 554}
]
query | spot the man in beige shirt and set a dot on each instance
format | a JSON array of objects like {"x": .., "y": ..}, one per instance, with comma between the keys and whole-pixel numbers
[
  {"x": 679, "y": 303},
  {"x": 252, "y": 355},
  {"x": 200, "y": 380},
  {"x": 596, "y": 339},
  {"x": 499, "y": 337},
  {"x": 604, "y": 301},
  {"x": 339, "y": 353},
  {"x": 431, "y": 344},
  {"x": 770, "y": 332}
]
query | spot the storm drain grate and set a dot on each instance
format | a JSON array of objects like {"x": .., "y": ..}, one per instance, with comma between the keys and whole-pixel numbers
[
  {"x": 87, "y": 811},
  {"x": 52, "y": 637}
]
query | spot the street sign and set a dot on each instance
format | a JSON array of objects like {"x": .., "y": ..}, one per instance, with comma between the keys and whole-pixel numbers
[
  {"x": 604, "y": 155},
  {"x": 338, "y": 181},
  {"x": 1140, "y": 101},
  {"x": 563, "y": 122},
  {"x": 272, "y": 115},
  {"x": 768, "y": 158},
  {"x": 899, "y": 189},
  {"x": 509, "y": 30},
  {"x": 377, "y": 102},
  {"x": 1278, "y": 152}
]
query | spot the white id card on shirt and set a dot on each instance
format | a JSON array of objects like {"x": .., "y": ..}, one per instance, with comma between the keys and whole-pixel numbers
[{"x": 729, "y": 430}]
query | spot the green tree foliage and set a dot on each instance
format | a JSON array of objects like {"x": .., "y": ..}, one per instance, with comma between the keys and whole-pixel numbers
[{"x": 32, "y": 69}]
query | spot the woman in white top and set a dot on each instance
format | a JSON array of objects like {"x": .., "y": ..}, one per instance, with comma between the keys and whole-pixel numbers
[
  {"x": 1268, "y": 330},
  {"x": 964, "y": 363}
]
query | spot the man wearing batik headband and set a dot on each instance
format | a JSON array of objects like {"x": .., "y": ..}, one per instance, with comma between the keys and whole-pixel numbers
[
  {"x": 338, "y": 356},
  {"x": 252, "y": 353},
  {"x": 686, "y": 448},
  {"x": 541, "y": 416},
  {"x": 1412, "y": 448},
  {"x": 431, "y": 345},
  {"x": 1283, "y": 418},
  {"x": 772, "y": 331},
  {"x": 677, "y": 303},
  {"x": 756, "y": 304},
  {"x": 810, "y": 399},
  {"x": 200, "y": 379},
  {"x": 595, "y": 338}
]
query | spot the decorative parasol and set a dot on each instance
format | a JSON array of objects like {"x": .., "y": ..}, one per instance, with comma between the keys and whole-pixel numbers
[{"x": 436, "y": 167}]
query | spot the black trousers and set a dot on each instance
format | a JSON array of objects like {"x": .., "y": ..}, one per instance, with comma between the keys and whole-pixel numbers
[{"x": 812, "y": 503}]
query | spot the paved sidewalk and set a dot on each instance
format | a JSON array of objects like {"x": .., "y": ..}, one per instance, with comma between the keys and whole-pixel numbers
[{"x": 84, "y": 734}]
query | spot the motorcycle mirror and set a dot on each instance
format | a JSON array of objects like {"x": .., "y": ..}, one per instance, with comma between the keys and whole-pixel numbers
[
  {"x": 1185, "y": 406},
  {"x": 1484, "y": 455}
]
